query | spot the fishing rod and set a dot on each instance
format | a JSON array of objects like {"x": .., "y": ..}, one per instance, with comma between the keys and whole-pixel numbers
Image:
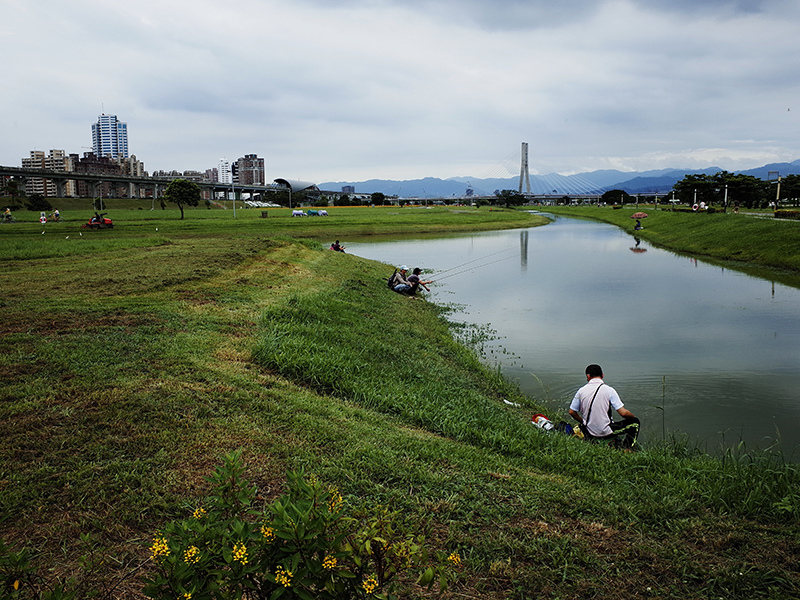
[
  {"x": 472, "y": 268},
  {"x": 476, "y": 260}
]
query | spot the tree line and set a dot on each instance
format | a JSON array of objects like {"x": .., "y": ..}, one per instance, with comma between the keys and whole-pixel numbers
[{"x": 723, "y": 189}]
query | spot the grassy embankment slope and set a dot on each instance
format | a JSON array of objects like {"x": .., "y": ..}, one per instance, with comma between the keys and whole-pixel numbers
[
  {"x": 131, "y": 359},
  {"x": 744, "y": 242}
]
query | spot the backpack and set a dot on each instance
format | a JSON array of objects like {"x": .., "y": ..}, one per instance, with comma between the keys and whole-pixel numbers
[{"x": 390, "y": 281}]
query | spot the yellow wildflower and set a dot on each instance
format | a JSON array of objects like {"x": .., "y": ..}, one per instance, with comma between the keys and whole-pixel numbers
[
  {"x": 187, "y": 596},
  {"x": 268, "y": 533},
  {"x": 283, "y": 577},
  {"x": 159, "y": 548},
  {"x": 240, "y": 552},
  {"x": 454, "y": 559},
  {"x": 199, "y": 513},
  {"x": 335, "y": 502},
  {"x": 191, "y": 555},
  {"x": 370, "y": 583},
  {"x": 329, "y": 562}
]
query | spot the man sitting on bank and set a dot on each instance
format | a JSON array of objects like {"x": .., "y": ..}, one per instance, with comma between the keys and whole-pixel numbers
[
  {"x": 591, "y": 407},
  {"x": 400, "y": 282}
]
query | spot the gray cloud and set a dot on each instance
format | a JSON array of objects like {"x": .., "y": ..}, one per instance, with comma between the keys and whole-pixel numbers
[{"x": 407, "y": 89}]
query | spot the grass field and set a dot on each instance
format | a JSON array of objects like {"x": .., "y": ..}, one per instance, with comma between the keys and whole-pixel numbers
[
  {"x": 747, "y": 242},
  {"x": 133, "y": 359}
]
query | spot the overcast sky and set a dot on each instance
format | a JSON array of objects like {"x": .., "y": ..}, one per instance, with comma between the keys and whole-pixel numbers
[{"x": 348, "y": 90}]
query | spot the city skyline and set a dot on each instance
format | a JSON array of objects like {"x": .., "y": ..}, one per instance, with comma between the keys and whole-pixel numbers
[{"x": 405, "y": 90}]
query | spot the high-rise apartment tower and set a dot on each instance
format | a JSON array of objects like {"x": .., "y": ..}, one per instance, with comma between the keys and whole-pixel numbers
[{"x": 110, "y": 137}]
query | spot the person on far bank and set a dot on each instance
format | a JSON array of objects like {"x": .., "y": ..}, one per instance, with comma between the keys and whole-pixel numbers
[
  {"x": 591, "y": 407},
  {"x": 337, "y": 247}
]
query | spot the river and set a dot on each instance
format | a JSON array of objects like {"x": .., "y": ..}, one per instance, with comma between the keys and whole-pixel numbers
[{"x": 693, "y": 349}]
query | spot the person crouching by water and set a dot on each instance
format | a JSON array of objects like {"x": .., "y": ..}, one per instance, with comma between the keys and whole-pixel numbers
[
  {"x": 400, "y": 282},
  {"x": 337, "y": 246},
  {"x": 591, "y": 407},
  {"x": 415, "y": 281}
]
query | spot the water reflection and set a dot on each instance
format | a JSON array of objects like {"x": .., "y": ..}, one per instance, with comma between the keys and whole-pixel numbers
[
  {"x": 689, "y": 346},
  {"x": 523, "y": 249}
]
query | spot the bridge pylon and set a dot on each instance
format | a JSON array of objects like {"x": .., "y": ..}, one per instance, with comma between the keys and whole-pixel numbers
[{"x": 524, "y": 173}]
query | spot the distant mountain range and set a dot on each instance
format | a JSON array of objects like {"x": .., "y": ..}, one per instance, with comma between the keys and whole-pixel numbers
[{"x": 643, "y": 182}]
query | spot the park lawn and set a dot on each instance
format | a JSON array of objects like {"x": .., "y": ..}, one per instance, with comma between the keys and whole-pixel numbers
[
  {"x": 131, "y": 365},
  {"x": 750, "y": 241}
]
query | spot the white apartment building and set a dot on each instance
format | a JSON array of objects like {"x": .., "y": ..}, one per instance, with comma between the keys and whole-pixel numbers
[
  {"x": 224, "y": 170},
  {"x": 56, "y": 160},
  {"x": 110, "y": 137}
]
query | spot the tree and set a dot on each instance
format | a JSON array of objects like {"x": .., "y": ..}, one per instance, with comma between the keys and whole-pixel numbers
[
  {"x": 183, "y": 193},
  {"x": 749, "y": 191},
  {"x": 790, "y": 188},
  {"x": 509, "y": 198},
  {"x": 12, "y": 188},
  {"x": 615, "y": 196},
  {"x": 343, "y": 200},
  {"x": 696, "y": 188},
  {"x": 378, "y": 198},
  {"x": 39, "y": 203}
]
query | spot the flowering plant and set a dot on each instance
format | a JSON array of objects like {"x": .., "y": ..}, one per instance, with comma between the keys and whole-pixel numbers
[{"x": 304, "y": 545}]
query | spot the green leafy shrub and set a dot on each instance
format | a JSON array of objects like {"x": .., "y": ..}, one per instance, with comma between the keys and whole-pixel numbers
[
  {"x": 21, "y": 578},
  {"x": 304, "y": 545}
]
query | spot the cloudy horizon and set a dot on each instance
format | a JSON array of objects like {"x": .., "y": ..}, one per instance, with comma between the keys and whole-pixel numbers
[{"x": 384, "y": 89}]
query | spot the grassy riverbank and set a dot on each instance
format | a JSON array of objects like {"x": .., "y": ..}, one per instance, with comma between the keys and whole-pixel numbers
[
  {"x": 132, "y": 359},
  {"x": 743, "y": 241}
]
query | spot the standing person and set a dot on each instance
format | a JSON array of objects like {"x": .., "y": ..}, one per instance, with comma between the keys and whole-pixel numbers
[
  {"x": 591, "y": 407},
  {"x": 415, "y": 281},
  {"x": 400, "y": 283}
]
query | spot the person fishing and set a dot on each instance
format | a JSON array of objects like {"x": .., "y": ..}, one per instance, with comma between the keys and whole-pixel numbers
[
  {"x": 337, "y": 247},
  {"x": 591, "y": 408},
  {"x": 415, "y": 281},
  {"x": 400, "y": 282}
]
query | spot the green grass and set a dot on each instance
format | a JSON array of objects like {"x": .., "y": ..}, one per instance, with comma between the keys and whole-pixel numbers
[
  {"x": 752, "y": 242},
  {"x": 130, "y": 367}
]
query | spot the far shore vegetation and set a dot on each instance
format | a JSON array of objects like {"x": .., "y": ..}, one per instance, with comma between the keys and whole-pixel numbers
[{"x": 140, "y": 361}]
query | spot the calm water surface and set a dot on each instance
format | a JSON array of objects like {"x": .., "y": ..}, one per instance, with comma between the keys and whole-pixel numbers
[{"x": 690, "y": 347}]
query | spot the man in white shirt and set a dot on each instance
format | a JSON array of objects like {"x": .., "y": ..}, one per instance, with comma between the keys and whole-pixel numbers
[{"x": 591, "y": 407}]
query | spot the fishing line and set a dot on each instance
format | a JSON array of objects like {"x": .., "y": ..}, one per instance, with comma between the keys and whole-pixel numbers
[
  {"x": 476, "y": 260},
  {"x": 473, "y": 268}
]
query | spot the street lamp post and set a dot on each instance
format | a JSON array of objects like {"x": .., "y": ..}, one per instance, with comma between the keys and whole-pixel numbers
[{"x": 778, "y": 190}]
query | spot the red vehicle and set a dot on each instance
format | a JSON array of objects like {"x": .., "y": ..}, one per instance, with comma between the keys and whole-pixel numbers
[{"x": 99, "y": 222}]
